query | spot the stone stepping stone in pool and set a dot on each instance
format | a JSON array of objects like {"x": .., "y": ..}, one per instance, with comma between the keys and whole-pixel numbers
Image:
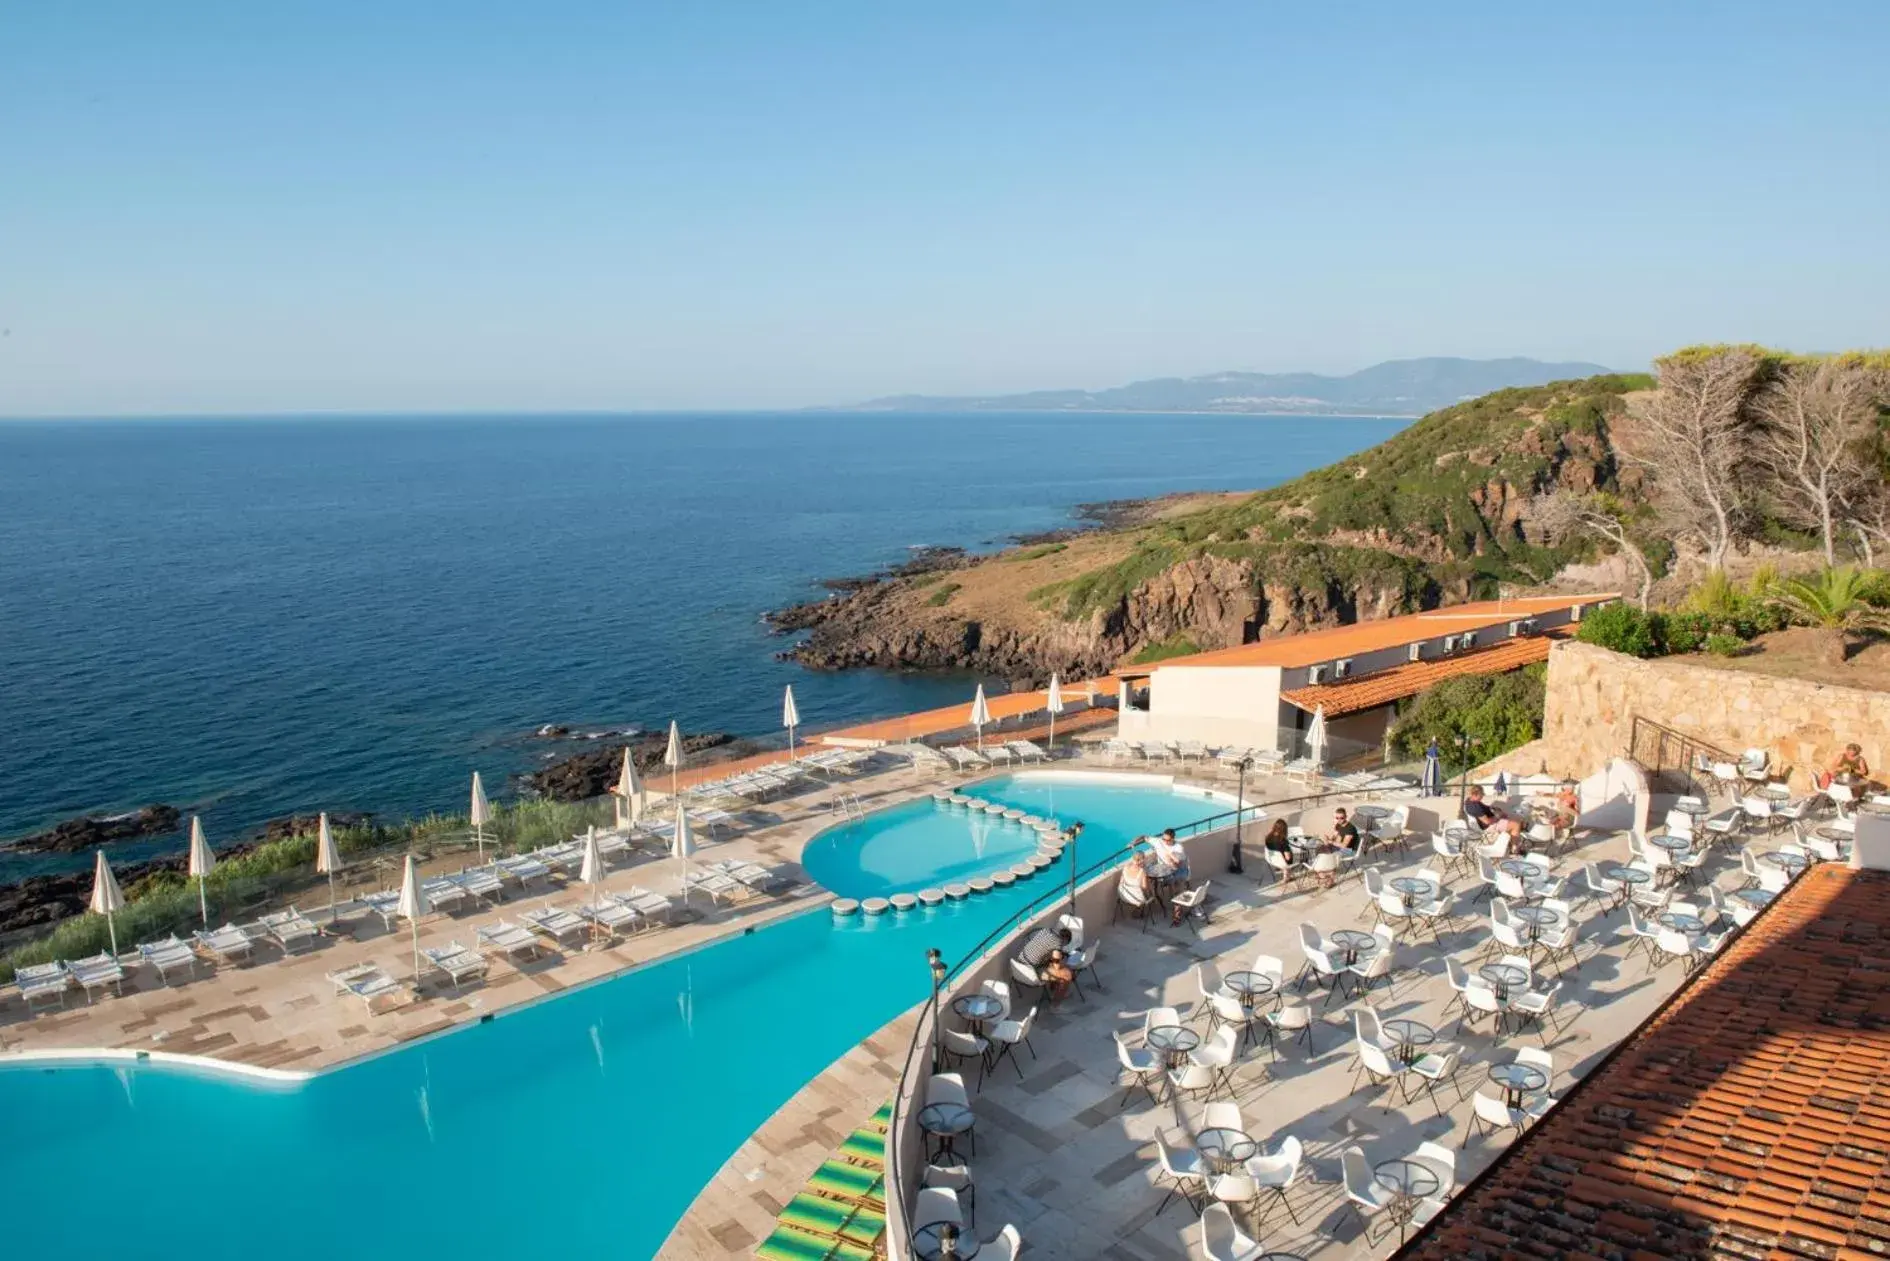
[
  {"x": 845, "y": 906},
  {"x": 903, "y": 901},
  {"x": 1023, "y": 871},
  {"x": 957, "y": 892},
  {"x": 1041, "y": 861},
  {"x": 876, "y": 906},
  {"x": 931, "y": 897},
  {"x": 1014, "y": 814},
  {"x": 942, "y": 794},
  {"x": 1003, "y": 879},
  {"x": 979, "y": 884}
]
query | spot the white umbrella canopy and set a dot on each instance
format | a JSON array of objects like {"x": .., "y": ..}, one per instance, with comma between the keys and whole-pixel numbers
[
  {"x": 1054, "y": 703},
  {"x": 790, "y": 718},
  {"x": 592, "y": 872},
  {"x": 413, "y": 904},
  {"x": 202, "y": 862},
  {"x": 479, "y": 814},
  {"x": 980, "y": 714},
  {"x": 1316, "y": 738},
  {"x": 327, "y": 859},
  {"x": 628, "y": 789},
  {"x": 107, "y": 898},
  {"x": 682, "y": 846},
  {"x": 672, "y": 756}
]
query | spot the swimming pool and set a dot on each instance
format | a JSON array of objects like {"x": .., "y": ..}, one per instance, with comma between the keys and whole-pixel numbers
[{"x": 586, "y": 1123}]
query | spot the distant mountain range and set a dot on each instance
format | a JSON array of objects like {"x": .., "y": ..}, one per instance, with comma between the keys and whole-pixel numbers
[{"x": 1401, "y": 387}]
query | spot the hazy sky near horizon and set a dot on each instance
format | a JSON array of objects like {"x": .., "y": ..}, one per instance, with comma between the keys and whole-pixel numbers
[{"x": 288, "y": 206}]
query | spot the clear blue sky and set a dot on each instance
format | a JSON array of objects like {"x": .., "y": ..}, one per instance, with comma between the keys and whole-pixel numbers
[{"x": 284, "y": 205}]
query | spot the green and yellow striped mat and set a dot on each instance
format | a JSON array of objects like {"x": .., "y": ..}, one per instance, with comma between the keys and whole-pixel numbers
[{"x": 841, "y": 1213}]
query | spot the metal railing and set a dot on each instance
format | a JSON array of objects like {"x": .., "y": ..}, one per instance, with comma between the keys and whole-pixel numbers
[
  {"x": 1670, "y": 755},
  {"x": 922, "y": 1043}
]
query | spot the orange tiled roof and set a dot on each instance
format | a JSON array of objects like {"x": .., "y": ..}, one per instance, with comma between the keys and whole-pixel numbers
[
  {"x": 1750, "y": 1117},
  {"x": 1313, "y": 647},
  {"x": 952, "y": 717},
  {"x": 1368, "y": 691}
]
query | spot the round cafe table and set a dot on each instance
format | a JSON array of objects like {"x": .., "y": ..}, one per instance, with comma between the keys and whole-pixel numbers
[
  {"x": 1681, "y": 923},
  {"x": 1249, "y": 988},
  {"x": 1693, "y": 809},
  {"x": 1370, "y": 813},
  {"x": 1354, "y": 942},
  {"x": 1627, "y": 877},
  {"x": 977, "y": 1008},
  {"x": 1524, "y": 869},
  {"x": 1503, "y": 977},
  {"x": 1408, "y": 1182},
  {"x": 1754, "y": 898},
  {"x": 945, "y": 1122},
  {"x": 1789, "y": 862},
  {"x": 1409, "y": 1036},
  {"x": 1173, "y": 1041},
  {"x": 1518, "y": 1080},
  {"x": 1225, "y": 1149},
  {"x": 1536, "y": 917},
  {"x": 1458, "y": 834},
  {"x": 927, "y": 1246},
  {"x": 1412, "y": 888},
  {"x": 1672, "y": 843}
]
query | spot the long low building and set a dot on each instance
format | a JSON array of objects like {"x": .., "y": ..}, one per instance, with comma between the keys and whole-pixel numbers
[{"x": 1264, "y": 694}]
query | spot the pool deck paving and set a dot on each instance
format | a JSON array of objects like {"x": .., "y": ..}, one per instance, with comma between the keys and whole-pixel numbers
[{"x": 1059, "y": 1156}]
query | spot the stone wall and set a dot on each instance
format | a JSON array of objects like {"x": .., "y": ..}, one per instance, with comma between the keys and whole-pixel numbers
[{"x": 1594, "y": 695}]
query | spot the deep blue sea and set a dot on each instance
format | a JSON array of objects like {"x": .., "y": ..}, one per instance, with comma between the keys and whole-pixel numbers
[{"x": 246, "y": 618}]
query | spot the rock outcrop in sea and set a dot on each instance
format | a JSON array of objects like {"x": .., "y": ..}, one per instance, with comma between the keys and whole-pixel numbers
[
  {"x": 93, "y": 831},
  {"x": 592, "y": 772}
]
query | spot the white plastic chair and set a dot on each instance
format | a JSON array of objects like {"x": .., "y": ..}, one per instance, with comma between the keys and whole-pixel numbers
[
  {"x": 1183, "y": 1166},
  {"x": 1489, "y": 1115},
  {"x": 1006, "y": 1034},
  {"x": 1362, "y": 1193},
  {"x": 1221, "y": 1237},
  {"x": 1278, "y": 1173}
]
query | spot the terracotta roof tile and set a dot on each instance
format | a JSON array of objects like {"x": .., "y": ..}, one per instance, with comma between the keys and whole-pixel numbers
[
  {"x": 1368, "y": 691},
  {"x": 1749, "y": 1118}
]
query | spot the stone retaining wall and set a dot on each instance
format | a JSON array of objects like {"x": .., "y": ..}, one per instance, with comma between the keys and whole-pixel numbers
[{"x": 1594, "y": 696}]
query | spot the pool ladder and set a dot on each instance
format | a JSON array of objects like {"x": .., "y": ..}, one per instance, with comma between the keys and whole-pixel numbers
[{"x": 848, "y": 804}]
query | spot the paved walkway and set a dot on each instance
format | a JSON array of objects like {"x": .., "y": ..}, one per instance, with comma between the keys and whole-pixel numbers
[{"x": 1060, "y": 1156}]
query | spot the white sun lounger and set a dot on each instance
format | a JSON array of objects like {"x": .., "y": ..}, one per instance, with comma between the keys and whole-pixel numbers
[
  {"x": 384, "y": 903},
  {"x": 443, "y": 892},
  {"x": 610, "y": 915},
  {"x": 96, "y": 973},
  {"x": 523, "y": 868},
  {"x": 368, "y": 983},
  {"x": 39, "y": 982},
  {"x": 552, "y": 922},
  {"x": 645, "y": 903},
  {"x": 228, "y": 943},
  {"x": 566, "y": 857},
  {"x": 754, "y": 875},
  {"x": 1025, "y": 750},
  {"x": 456, "y": 961},
  {"x": 481, "y": 882},
  {"x": 717, "y": 885},
  {"x": 291, "y": 930},
  {"x": 168, "y": 956},
  {"x": 508, "y": 938}
]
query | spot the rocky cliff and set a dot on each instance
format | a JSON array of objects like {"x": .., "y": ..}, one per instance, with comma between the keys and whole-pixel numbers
[{"x": 1441, "y": 513}]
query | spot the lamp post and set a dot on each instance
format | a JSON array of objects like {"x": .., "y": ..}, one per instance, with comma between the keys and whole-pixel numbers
[
  {"x": 937, "y": 964},
  {"x": 1076, "y": 830},
  {"x": 1237, "y": 862}
]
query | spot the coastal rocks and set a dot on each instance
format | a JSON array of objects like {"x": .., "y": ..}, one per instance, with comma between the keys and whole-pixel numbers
[
  {"x": 306, "y": 824},
  {"x": 40, "y": 901},
  {"x": 591, "y": 773},
  {"x": 92, "y": 831}
]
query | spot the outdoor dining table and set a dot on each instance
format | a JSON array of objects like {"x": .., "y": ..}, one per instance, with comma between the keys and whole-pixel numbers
[
  {"x": 1409, "y": 1182},
  {"x": 928, "y": 1244},
  {"x": 1369, "y": 813},
  {"x": 977, "y": 1008},
  {"x": 945, "y": 1122},
  {"x": 1692, "y": 809},
  {"x": 1517, "y": 1081},
  {"x": 1411, "y": 888},
  {"x": 1409, "y": 1036},
  {"x": 1173, "y": 1041},
  {"x": 1682, "y": 923},
  {"x": 1672, "y": 843},
  {"x": 1536, "y": 918},
  {"x": 1754, "y": 898},
  {"x": 1627, "y": 877},
  {"x": 1524, "y": 868},
  {"x": 1225, "y": 1148},
  {"x": 1353, "y": 942},
  {"x": 1789, "y": 862},
  {"x": 1503, "y": 977},
  {"x": 1458, "y": 834}
]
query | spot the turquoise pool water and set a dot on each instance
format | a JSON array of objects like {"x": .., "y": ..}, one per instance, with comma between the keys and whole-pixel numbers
[
  {"x": 585, "y": 1124},
  {"x": 907, "y": 848}
]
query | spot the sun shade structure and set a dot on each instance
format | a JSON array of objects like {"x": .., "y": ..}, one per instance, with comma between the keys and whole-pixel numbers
[
  {"x": 413, "y": 904},
  {"x": 980, "y": 715},
  {"x": 628, "y": 790},
  {"x": 202, "y": 862},
  {"x": 1316, "y": 739},
  {"x": 327, "y": 859},
  {"x": 683, "y": 846},
  {"x": 672, "y": 756},
  {"x": 107, "y": 898},
  {"x": 479, "y": 815},
  {"x": 790, "y": 718},
  {"x": 591, "y": 872},
  {"x": 1053, "y": 702}
]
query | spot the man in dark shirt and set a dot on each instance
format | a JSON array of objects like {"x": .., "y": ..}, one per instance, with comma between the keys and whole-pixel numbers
[
  {"x": 1487, "y": 816},
  {"x": 1344, "y": 831}
]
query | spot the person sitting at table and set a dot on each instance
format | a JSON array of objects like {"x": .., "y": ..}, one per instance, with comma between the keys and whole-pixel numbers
[
  {"x": 1568, "y": 806},
  {"x": 1344, "y": 832},
  {"x": 1850, "y": 766},
  {"x": 1488, "y": 817},
  {"x": 1133, "y": 883},
  {"x": 1276, "y": 841},
  {"x": 1042, "y": 944},
  {"x": 1169, "y": 853},
  {"x": 1057, "y": 976}
]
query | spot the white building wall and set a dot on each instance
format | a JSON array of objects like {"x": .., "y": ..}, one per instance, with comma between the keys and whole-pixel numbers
[{"x": 1217, "y": 705}]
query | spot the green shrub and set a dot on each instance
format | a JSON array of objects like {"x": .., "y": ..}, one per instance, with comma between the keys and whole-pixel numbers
[
  {"x": 1685, "y": 632},
  {"x": 1724, "y": 645},
  {"x": 943, "y": 596},
  {"x": 1036, "y": 553},
  {"x": 1498, "y": 711},
  {"x": 1623, "y": 628},
  {"x": 1174, "y": 646}
]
